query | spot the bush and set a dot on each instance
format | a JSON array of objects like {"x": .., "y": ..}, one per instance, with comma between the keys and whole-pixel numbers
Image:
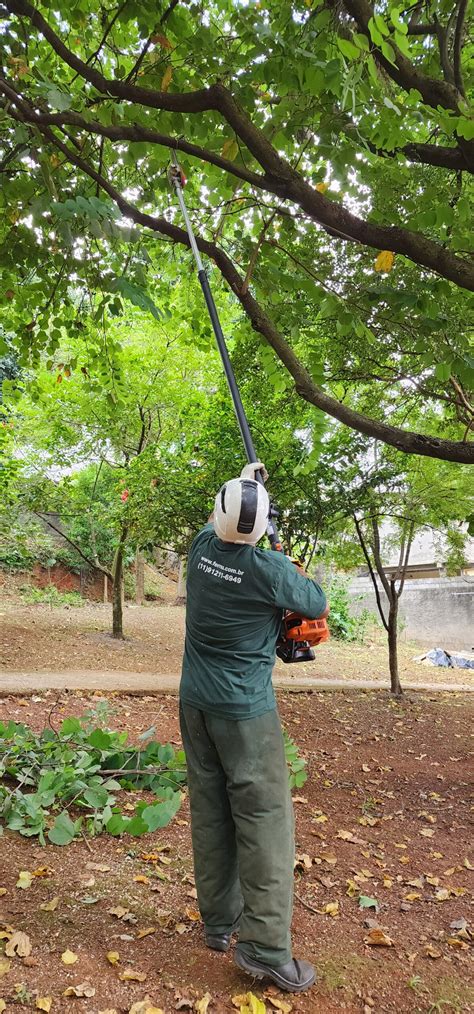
[
  {"x": 50, "y": 595},
  {"x": 23, "y": 543},
  {"x": 344, "y": 626}
]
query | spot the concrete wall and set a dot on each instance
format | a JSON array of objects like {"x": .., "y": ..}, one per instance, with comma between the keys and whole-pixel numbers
[{"x": 438, "y": 612}]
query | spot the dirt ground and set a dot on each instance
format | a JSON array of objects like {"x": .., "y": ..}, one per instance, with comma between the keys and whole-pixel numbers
[
  {"x": 384, "y": 814},
  {"x": 40, "y": 638}
]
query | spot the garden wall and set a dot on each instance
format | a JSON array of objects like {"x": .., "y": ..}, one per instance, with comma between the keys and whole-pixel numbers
[{"x": 438, "y": 612}]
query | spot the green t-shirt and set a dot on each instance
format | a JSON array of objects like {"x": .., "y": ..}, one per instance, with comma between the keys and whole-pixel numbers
[{"x": 235, "y": 601}]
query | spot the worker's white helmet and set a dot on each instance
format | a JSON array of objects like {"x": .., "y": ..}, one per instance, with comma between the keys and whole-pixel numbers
[{"x": 241, "y": 511}]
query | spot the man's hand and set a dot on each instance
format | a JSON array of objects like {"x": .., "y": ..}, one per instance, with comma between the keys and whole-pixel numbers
[{"x": 248, "y": 471}]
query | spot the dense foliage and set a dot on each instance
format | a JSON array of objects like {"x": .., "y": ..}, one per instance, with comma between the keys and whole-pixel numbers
[{"x": 329, "y": 149}]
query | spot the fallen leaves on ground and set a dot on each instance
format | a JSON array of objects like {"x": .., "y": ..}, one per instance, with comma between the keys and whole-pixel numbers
[
  {"x": 332, "y": 908},
  {"x": 248, "y": 1003},
  {"x": 146, "y": 932},
  {"x": 19, "y": 944},
  {"x": 69, "y": 958},
  {"x": 4, "y": 966},
  {"x": 3, "y": 891},
  {"x": 130, "y": 975},
  {"x": 202, "y": 1005},
  {"x": 3, "y": 1006},
  {"x": 44, "y": 1003},
  {"x": 50, "y": 906},
  {"x": 144, "y": 1007},
  {"x": 377, "y": 938},
  {"x": 281, "y": 1005},
  {"x": 82, "y": 989},
  {"x": 113, "y": 957},
  {"x": 25, "y": 879}
]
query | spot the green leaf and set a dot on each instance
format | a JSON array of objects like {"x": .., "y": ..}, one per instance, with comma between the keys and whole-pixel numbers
[
  {"x": 100, "y": 739},
  {"x": 63, "y": 830},
  {"x": 160, "y": 814},
  {"x": 58, "y": 99},
  {"x": 136, "y": 295},
  {"x": 96, "y": 797},
  {"x": 348, "y": 49},
  {"x": 366, "y": 902},
  {"x": 70, "y": 727}
]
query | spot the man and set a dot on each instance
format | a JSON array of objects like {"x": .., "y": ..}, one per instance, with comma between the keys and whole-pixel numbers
[{"x": 241, "y": 809}]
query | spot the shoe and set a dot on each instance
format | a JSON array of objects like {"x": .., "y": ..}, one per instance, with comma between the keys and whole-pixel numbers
[
  {"x": 218, "y": 941},
  {"x": 293, "y": 977}
]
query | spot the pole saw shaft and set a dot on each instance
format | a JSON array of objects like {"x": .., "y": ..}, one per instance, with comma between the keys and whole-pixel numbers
[{"x": 177, "y": 181}]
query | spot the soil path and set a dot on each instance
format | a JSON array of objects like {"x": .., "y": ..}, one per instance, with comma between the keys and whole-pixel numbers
[{"x": 138, "y": 683}]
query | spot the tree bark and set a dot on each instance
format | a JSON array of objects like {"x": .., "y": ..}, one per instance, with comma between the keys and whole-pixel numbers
[
  {"x": 117, "y": 593},
  {"x": 139, "y": 578},
  {"x": 181, "y": 593},
  {"x": 395, "y": 685}
]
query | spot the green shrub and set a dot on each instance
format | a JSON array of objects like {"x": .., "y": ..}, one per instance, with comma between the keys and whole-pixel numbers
[
  {"x": 50, "y": 595},
  {"x": 344, "y": 626}
]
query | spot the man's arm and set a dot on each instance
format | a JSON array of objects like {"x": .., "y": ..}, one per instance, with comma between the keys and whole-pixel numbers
[{"x": 300, "y": 593}]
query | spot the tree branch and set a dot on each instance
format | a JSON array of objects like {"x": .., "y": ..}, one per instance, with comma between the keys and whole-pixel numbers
[
  {"x": 288, "y": 184},
  {"x": 434, "y": 92},
  {"x": 91, "y": 563},
  {"x": 371, "y": 570},
  {"x": 458, "y": 37}
]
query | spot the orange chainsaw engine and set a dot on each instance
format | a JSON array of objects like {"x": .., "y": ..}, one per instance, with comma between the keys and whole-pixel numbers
[{"x": 298, "y": 636}]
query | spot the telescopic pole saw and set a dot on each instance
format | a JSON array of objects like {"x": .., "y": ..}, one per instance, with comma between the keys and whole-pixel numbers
[{"x": 297, "y": 633}]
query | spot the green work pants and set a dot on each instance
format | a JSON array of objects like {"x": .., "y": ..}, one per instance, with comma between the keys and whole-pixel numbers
[{"x": 242, "y": 829}]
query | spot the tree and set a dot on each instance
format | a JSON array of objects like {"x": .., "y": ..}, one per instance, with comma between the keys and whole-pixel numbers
[
  {"x": 392, "y": 502},
  {"x": 116, "y": 423},
  {"x": 294, "y": 182}
]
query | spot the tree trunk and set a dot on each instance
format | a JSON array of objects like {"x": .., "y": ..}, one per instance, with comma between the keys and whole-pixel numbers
[
  {"x": 395, "y": 685},
  {"x": 106, "y": 596},
  {"x": 117, "y": 600},
  {"x": 139, "y": 578},
  {"x": 180, "y": 599}
]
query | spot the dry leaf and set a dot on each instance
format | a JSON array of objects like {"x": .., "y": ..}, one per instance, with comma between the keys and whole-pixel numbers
[
  {"x": 180, "y": 928},
  {"x": 129, "y": 975},
  {"x": 387, "y": 882},
  {"x": 113, "y": 957},
  {"x": 160, "y": 40},
  {"x": 322, "y": 187},
  {"x": 348, "y": 836},
  {"x": 332, "y": 908},
  {"x": 119, "y": 912},
  {"x": 5, "y": 966},
  {"x": 50, "y": 906},
  {"x": 192, "y": 914},
  {"x": 300, "y": 799},
  {"x": 99, "y": 867},
  {"x": 434, "y": 881},
  {"x": 457, "y": 942},
  {"x": 384, "y": 261},
  {"x": 166, "y": 79},
  {"x": 3, "y": 891},
  {"x": 442, "y": 894},
  {"x": 69, "y": 958},
  {"x": 249, "y": 1004},
  {"x": 201, "y": 1006},
  {"x": 3, "y": 1006},
  {"x": 25, "y": 879},
  {"x": 377, "y": 938},
  {"x": 145, "y": 1007},
  {"x": 468, "y": 865},
  {"x": 427, "y": 832},
  {"x": 43, "y": 871},
  {"x": 146, "y": 932},
  {"x": 19, "y": 944},
  {"x": 280, "y": 1004},
  {"x": 432, "y": 952},
  {"x": 140, "y": 879},
  {"x": 44, "y": 1003},
  {"x": 413, "y": 896},
  {"x": 82, "y": 989}
]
